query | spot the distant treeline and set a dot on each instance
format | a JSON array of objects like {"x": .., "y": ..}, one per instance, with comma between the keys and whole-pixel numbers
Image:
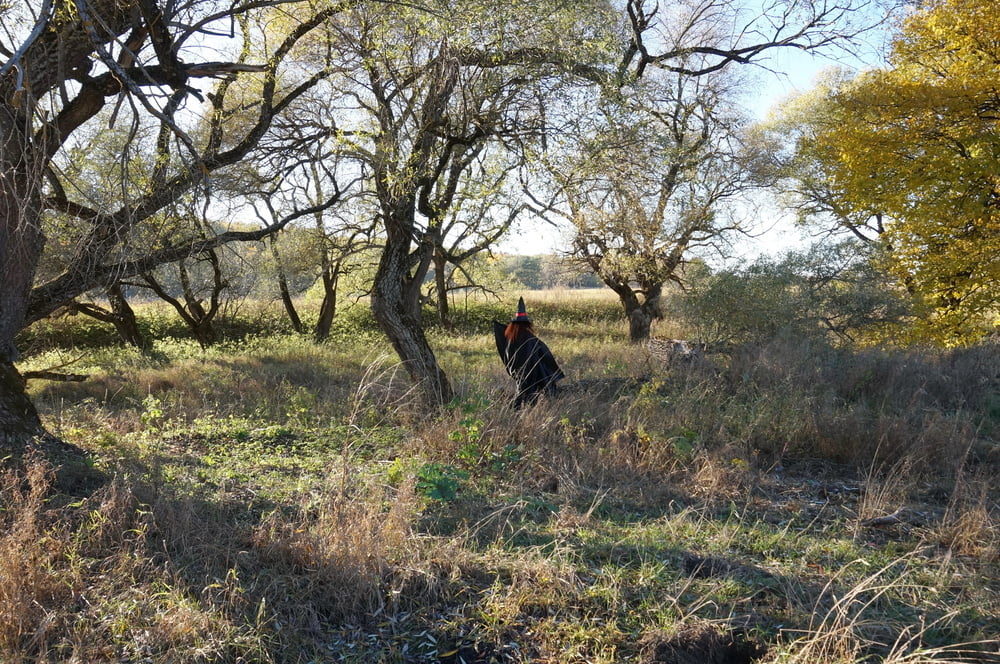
[{"x": 549, "y": 271}]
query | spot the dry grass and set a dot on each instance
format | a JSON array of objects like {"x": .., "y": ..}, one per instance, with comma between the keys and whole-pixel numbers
[
  {"x": 29, "y": 550},
  {"x": 80, "y": 583},
  {"x": 852, "y": 624},
  {"x": 339, "y": 555},
  {"x": 884, "y": 492},
  {"x": 970, "y": 525},
  {"x": 268, "y": 504}
]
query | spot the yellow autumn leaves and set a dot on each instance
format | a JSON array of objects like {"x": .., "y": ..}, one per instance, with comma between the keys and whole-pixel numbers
[{"x": 918, "y": 142}]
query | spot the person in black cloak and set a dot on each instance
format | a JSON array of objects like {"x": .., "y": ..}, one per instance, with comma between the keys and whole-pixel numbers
[{"x": 526, "y": 357}]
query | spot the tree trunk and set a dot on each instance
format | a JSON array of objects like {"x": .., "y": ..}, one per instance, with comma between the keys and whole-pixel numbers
[
  {"x": 19, "y": 421},
  {"x": 21, "y": 242},
  {"x": 395, "y": 316},
  {"x": 123, "y": 317},
  {"x": 640, "y": 315},
  {"x": 639, "y": 322},
  {"x": 286, "y": 295},
  {"x": 120, "y": 315},
  {"x": 641, "y": 318},
  {"x": 198, "y": 319},
  {"x": 441, "y": 285},
  {"x": 638, "y": 319},
  {"x": 328, "y": 308}
]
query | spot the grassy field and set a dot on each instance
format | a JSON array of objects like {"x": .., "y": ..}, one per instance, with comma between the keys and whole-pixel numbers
[{"x": 271, "y": 499}]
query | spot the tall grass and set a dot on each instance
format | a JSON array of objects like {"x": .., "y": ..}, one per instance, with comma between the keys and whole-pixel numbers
[{"x": 273, "y": 499}]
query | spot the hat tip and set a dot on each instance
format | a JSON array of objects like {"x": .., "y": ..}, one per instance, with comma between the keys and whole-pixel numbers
[{"x": 522, "y": 313}]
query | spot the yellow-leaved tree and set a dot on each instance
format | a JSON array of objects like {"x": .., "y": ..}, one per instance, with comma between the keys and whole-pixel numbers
[{"x": 910, "y": 155}]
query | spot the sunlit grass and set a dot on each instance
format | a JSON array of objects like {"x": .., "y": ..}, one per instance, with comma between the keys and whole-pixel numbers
[{"x": 272, "y": 499}]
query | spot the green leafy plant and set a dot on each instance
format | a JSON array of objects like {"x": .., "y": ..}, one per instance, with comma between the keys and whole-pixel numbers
[
  {"x": 684, "y": 441},
  {"x": 152, "y": 413},
  {"x": 439, "y": 481}
]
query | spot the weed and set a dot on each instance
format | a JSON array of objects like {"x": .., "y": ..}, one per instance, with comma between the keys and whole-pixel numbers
[{"x": 439, "y": 481}]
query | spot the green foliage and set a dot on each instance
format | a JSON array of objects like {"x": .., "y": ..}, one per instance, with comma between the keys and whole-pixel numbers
[
  {"x": 433, "y": 480},
  {"x": 152, "y": 412},
  {"x": 684, "y": 442},
  {"x": 474, "y": 451},
  {"x": 526, "y": 271},
  {"x": 439, "y": 481}
]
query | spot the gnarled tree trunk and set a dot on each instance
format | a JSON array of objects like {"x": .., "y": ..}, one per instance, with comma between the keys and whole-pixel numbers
[
  {"x": 21, "y": 243},
  {"x": 399, "y": 319},
  {"x": 327, "y": 308},
  {"x": 640, "y": 320},
  {"x": 640, "y": 314},
  {"x": 120, "y": 315},
  {"x": 123, "y": 316}
]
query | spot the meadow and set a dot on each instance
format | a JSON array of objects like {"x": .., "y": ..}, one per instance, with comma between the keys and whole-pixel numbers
[{"x": 273, "y": 499}]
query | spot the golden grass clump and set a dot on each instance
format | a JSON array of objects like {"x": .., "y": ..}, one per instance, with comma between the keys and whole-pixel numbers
[
  {"x": 970, "y": 526},
  {"x": 79, "y": 583},
  {"x": 33, "y": 545},
  {"x": 338, "y": 556}
]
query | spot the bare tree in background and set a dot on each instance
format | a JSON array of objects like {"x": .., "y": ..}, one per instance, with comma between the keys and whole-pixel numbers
[
  {"x": 483, "y": 212},
  {"x": 647, "y": 184}
]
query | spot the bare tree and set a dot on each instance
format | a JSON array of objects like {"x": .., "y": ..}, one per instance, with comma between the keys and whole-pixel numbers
[
  {"x": 483, "y": 212},
  {"x": 645, "y": 185},
  {"x": 703, "y": 36},
  {"x": 196, "y": 310},
  {"x": 306, "y": 161}
]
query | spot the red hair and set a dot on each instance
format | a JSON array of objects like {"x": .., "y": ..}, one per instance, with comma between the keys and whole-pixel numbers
[{"x": 515, "y": 331}]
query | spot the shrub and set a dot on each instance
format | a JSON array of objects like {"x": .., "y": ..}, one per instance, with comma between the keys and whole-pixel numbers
[{"x": 828, "y": 292}]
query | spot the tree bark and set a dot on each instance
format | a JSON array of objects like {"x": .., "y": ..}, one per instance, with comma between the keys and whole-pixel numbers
[
  {"x": 328, "y": 308},
  {"x": 641, "y": 318},
  {"x": 640, "y": 315},
  {"x": 639, "y": 322},
  {"x": 21, "y": 238},
  {"x": 441, "y": 285},
  {"x": 393, "y": 310},
  {"x": 286, "y": 295},
  {"x": 330, "y": 275},
  {"x": 123, "y": 317},
  {"x": 21, "y": 243},
  {"x": 19, "y": 421}
]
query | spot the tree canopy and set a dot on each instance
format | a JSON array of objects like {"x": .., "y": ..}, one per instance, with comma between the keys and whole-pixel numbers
[
  {"x": 645, "y": 181},
  {"x": 908, "y": 154}
]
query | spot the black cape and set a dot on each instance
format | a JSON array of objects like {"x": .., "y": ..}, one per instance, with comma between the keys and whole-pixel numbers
[{"x": 530, "y": 362}]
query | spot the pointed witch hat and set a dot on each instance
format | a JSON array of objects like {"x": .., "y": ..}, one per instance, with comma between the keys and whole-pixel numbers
[{"x": 522, "y": 314}]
